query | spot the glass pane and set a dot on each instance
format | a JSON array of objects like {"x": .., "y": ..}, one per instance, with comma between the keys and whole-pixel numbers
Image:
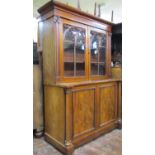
[
  {"x": 80, "y": 67},
  {"x": 98, "y": 52},
  {"x": 69, "y": 69},
  {"x": 94, "y": 69},
  {"x": 102, "y": 47},
  {"x": 80, "y": 49},
  {"x": 74, "y": 48},
  {"x": 68, "y": 44},
  {"x": 101, "y": 69},
  {"x": 94, "y": 47},
  {"x": 68, "y": 53},
  {"x": 80, "y": 45},
  {"x": 102, "y": 55}
]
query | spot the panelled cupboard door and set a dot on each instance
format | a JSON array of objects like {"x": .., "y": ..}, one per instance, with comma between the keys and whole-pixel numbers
[
  {"x": 107, "y": 103},
  {"x": 83, "y": 111},
  {"x": 73, "y": 51},
  {"x": 98, "y": 53}
]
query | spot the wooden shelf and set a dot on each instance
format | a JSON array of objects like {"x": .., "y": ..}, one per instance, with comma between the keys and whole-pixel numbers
[
  {"x": 100, "y": 63},
  {"x": 71, "y": 73},
  {"x": 94, "y": 62},
  {"x": 80, "y": 73},
  {"x": 71, "y": 42},
  {"x": 70, "y": 61},
  {"x": 69, "y": 57}
]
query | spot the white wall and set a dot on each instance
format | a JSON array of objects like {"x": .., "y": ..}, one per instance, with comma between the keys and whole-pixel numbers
[{"x": 88, "y": 6}]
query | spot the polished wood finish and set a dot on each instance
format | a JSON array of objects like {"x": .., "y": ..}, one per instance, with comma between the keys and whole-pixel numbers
[
  {"x": 77, "y": 114},
  {"x": 54, "y": 5},
  {"x": 117, "y": 72},
  {"x": 49, "y": 70},
  {"x": 83, "y": 113},
  {"x": 55, "y": 105},
  {"x": 108, "y": 103},
  {"x": 77, "y": 108}
]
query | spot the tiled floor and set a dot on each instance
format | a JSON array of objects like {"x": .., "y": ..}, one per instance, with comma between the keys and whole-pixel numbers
[{"x": 108, "y": 144}]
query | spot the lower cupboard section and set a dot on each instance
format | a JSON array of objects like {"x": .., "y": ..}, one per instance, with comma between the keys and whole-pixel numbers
[
  {"x": 93, "y": 107},
  {"x": 86, "y": 112}
]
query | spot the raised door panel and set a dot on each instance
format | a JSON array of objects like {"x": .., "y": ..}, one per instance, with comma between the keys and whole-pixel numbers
[
  {"x": 108, "y": 103},
  {"x": 83, "y": 111}
]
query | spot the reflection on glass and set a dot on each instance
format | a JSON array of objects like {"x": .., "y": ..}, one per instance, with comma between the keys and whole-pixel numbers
[
  {"x": 74, "y": 48},
  {"x": 80, "y": 57},
  {"x": 102, "y": 54},
  {"x": 94, "y": 48},
  {"x": 98, "y": 51},
  {"x": 94, "y": 45}
]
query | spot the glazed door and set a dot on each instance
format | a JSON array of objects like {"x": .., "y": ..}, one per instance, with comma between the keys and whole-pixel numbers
[
  {"x": 98, "y": 53},
  {"x": 73, "y": 50}
]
